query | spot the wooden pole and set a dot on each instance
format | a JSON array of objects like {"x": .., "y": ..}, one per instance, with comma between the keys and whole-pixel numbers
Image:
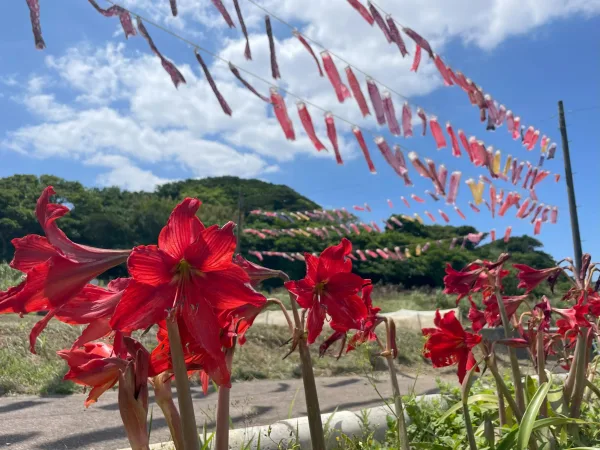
[{"x": 570, "y": 188}]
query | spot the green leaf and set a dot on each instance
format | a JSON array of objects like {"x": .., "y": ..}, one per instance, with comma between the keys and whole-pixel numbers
[
  {"x": 429, "y": 445},
  {"x": 529, "y": 418},
  {"x": 488, "y": 398},
  {"x": 508, "y": 440}
]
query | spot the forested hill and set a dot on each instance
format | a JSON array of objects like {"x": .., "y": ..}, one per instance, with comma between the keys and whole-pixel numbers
[{"x": 112, "y": 218}]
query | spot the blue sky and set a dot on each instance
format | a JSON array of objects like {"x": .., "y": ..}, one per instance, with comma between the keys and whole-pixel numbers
[{"x": 99, "y": 109}]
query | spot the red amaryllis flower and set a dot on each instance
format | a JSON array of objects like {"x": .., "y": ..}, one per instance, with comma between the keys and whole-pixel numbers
[
  {"x": 572, "y": 319},
  {"x": 197, "y": 360},
  {"x": 474, "y": 278},
  {"x": 530, "y": 278},
  {"x": 192, "y": 272},
  {"x": 528, "y": 340},
  {"x": 492, "y": 311},
  {"x": 476, "y": 316},
  {"x": 329, "y": 287},
  {"x": 366, "y": 329},
  {"x": 56, "y": 268},
  {"x": 450, "y": 344},
  {"x": 544, "y": 309},
  {"x": 97, "y": 365}
]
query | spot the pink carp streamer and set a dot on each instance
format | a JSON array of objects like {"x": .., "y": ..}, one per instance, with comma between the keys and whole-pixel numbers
[
  {"x": 173, "y": 7},
  {"x": 251, "y": 88},
  {"x": 528, "y": 136},
  {"x": 402, "y": 163},
  {"x": 124, "y": 17},
  {"x": 442, "y": 176},
  {"x": 364, "y": 12},
  {"x": 390, "y": 114},
  {"x": 537, "y": 229},
  {"x": 213, "y": 85},
  {"x": 436, "y": 131},
  {"x": 274, "y": 66},
  {"x": 363, "y": 146},
  {"x": 460, "y": 213},
  {"x": 174, "y": 73},
  {"x": 376, "y": 101},
  {"x": 416, "y": 198},
  {"x": 493, "y": 199},
  {"x": 444, "y": 216},
  {"x": 407, "y": 120},
  {"x": 420, "y": 41},
  {"x": 453, "y": 187},
  {"x": 390, "y": 204},
  {"x": 516, "y": 133},
  {"x": 281, "y": 114},
  {"x": 340, "y": 88},
  {"x": 474, "y": 208},
  {"x": 332, "y": 134},
  {"x": 455, "y": 147},
  {"x": 428, "y": 214},
  {"x": 307, "y": 46},
  {"x": 221, "y": 7},
  {"x": 416, "y": 60},
  {"x": 396, "y": 36},
  {"x": 418, "y": 165},
  {"x": 443, "y": 70},
  {"x": 36, "y": 27},
  {"x": 405, "y": 201},
  {"x": 238, "y": 11},
  {"x": 554, "y": 215},
  {"x": 357, "y": 92},
  {"x": 423, "y": 118},
  {"x": 390, "y": 158},
  {"x": 308, "y": 126},
  {"x": 380, "y": 22},
  {"x": 433, "y": 196}
]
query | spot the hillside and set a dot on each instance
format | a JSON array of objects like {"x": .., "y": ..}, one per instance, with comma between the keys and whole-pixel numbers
[{"x": 112, "y": 218}]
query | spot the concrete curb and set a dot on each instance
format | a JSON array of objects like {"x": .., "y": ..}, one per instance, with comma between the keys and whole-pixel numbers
[
  {"x": 407, "y": 319},
  {"x": 285, "y": 433}
]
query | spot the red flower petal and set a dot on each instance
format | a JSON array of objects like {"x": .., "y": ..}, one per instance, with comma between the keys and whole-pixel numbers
[
  {"x": 150, "y": 265},
  {"x": 314, "y": 323},
  {"x": 95, "y": 330},
  {"x": 30, "y": 251},
  {"x": 312, "y": 262},
  {"x": 201, "y": 320},
  {"x": 343, "y": 285},
  {"x": 183, "y": 228},
  {"x": 214, "y": 249},
  {"x": 344, "y": 248},
  {"x": 142, "y": 305},
  {"x": 227, "y": 289},
  {"x": 347, "y": 313},
  {"x": 304, "y": 292}
]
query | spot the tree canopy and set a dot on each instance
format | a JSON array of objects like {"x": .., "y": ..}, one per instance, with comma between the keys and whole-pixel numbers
[{"x": 113, "y": 218}]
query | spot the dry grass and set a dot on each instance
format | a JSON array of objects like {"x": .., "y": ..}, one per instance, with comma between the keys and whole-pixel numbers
[{"x": 260, "y": 358}]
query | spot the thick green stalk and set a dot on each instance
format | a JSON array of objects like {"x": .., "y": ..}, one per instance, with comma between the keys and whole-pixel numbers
[
  {"x": 501, "y": 385},
  {"x": 541, "y": 369},
  {"x": 184, "y": 395},
  {"x": 466, "y": 389},
  {"x": 580, "y": 364},
  {"x": 402, "y": 432},
  {"x": 315, "y": 424},
  {"x": 501, "y": 408},
  {"x": 222, "y": 423},
  {"x": 514, "y": 362},
  {"x": 164, "y": 399}
]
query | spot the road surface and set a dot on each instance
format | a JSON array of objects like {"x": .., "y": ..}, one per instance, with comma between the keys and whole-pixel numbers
[{"x": 62, "y": 422}]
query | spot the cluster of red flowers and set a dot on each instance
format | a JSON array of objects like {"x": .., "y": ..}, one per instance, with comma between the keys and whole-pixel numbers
[
  {"x": 331, "y": 289},
  {"x": 448, "y": 343},
  {"x": 191, "y": 276}
]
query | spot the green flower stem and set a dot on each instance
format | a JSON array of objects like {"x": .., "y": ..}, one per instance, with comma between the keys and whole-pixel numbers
[
  {"x": 501, "y": 408},
  {"x": 222, "y": 423},
  {"x": 402, "y": 431},
  {"x": 184, "y": 395},
  {"x": 501, "y": 385},
  {"x": 514, "y": 362},
  {"x": 465, "y": 390},
  {"x": 541, "y": 369},
  {"x": 164, "y": 399},
  {"x": 580, "y": 363},
  {"x": 315, "y": 424}
]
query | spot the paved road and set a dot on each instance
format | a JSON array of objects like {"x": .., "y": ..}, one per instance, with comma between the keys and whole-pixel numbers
[{"x": 62, "y": 422}]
